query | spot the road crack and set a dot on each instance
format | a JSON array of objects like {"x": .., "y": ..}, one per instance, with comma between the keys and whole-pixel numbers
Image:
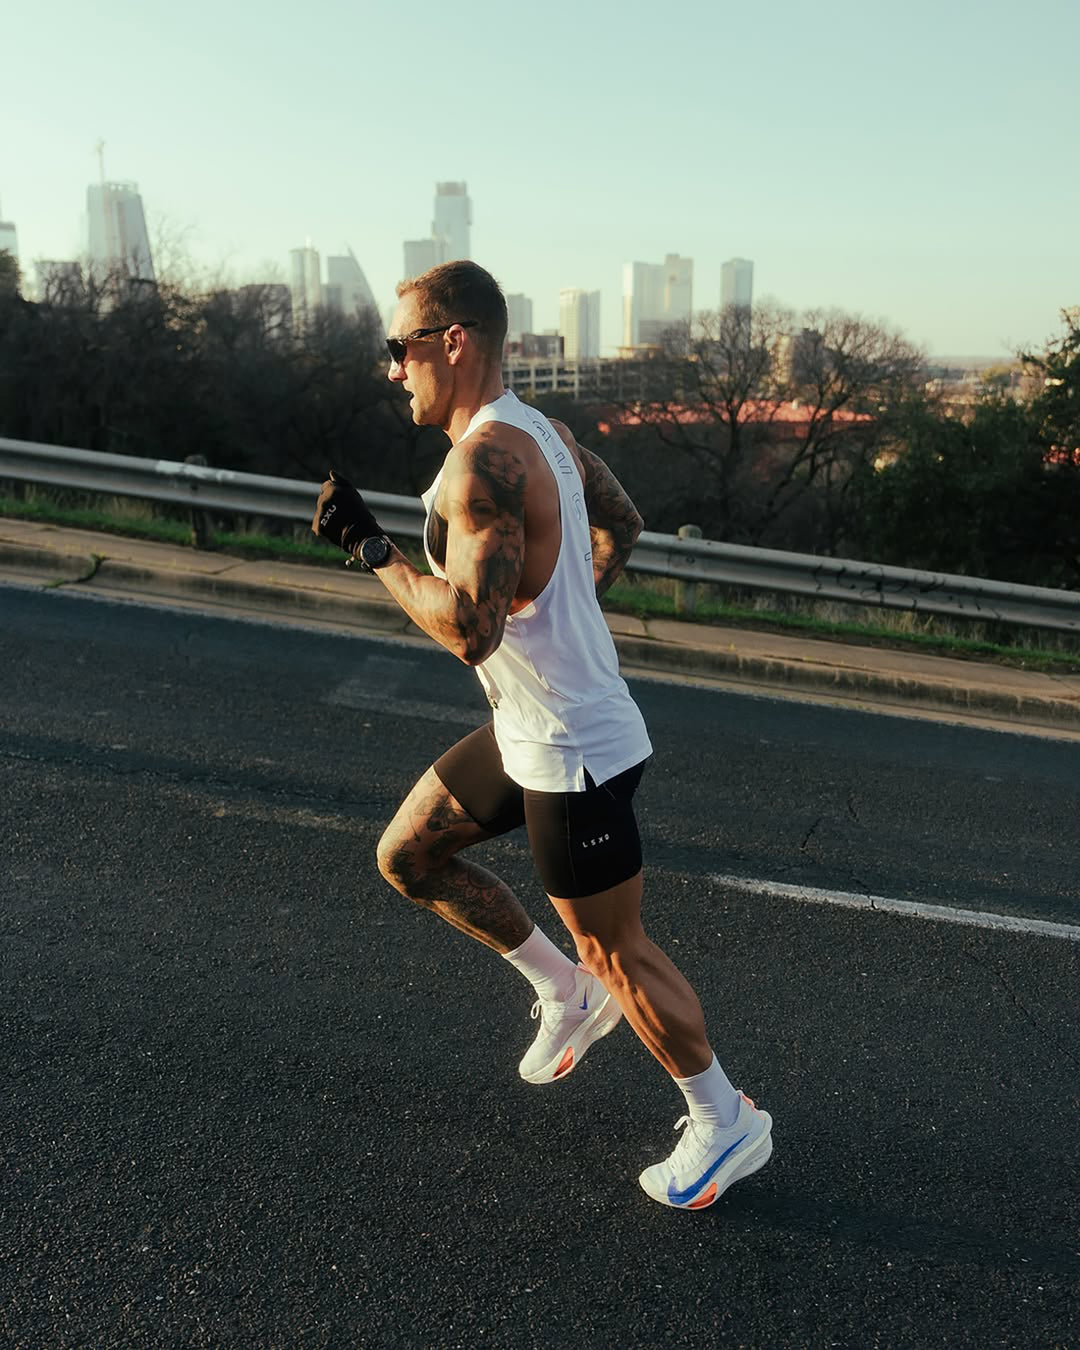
[
  {"x": 96, "y": 559},
  {"x": 998, "y": 969}
]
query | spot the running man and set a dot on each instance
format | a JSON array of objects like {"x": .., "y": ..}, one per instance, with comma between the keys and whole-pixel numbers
[{"x": 525, "y": 530}]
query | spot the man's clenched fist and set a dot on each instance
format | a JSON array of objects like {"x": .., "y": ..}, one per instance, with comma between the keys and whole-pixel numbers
[{"x": 342, "y": 515}]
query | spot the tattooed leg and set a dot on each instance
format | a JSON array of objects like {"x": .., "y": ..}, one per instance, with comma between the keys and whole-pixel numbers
[{"x": 417, "y": 856}]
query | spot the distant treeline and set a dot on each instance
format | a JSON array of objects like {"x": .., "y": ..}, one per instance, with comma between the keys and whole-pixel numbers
[
  {"x": 152, "y": 371},
  {"x": 814, "y": 432}
]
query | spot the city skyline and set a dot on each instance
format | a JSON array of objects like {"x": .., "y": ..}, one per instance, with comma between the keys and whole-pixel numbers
[{"x": 900, "y": 183}]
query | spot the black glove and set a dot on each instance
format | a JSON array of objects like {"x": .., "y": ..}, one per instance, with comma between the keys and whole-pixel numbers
[{"x": 342, "y": 515}]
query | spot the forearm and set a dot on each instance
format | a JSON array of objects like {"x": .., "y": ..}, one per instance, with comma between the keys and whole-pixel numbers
[
  {"x": 611, "y": 551},
  {"x": 445, "y": 613}
]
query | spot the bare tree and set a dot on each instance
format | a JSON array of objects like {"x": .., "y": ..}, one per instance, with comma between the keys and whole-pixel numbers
[
  {"x": 848, "y": 376},
  {"x": 773, "y": 410},
  {"x": 714, "y": 402}
]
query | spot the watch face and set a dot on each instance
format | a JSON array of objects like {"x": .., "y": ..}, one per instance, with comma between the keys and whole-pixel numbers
[{"x": 375, "y": 550}]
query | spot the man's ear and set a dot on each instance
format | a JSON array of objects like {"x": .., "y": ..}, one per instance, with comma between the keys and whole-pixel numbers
[{"x": 455, "y": 339}]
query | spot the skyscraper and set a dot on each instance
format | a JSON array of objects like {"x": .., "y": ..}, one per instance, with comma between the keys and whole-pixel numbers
[
  {"x": 347, "y": 288},
  {"x": 519, "y": 317},
  {"x": 453, "y": 216},
  {"x": 58, "y": 280},
  {"x": 305, "y": 285},
  {"x": 420, "y": 254},
  {"x": 579, "y": 323},
  {"x": 118, "y": 244},
  {"x": 449, "y": 231},
  {"x": 656, "y": 297},
  {"x": 737, "y": 283}
]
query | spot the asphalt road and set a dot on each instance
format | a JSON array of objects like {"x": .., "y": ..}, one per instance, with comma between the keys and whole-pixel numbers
[{"x": 252, "y": 1097}]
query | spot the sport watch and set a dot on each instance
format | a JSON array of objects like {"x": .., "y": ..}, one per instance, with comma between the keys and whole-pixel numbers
[{"x": 373, "y": 552}]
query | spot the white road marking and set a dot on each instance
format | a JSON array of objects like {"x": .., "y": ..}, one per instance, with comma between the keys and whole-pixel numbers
[
  {"x": 363, "y": 695},
  {"x": 914, "y": 909}
]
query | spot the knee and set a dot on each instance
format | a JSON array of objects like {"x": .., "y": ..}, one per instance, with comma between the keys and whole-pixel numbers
[{"x": 397, "y": 863}]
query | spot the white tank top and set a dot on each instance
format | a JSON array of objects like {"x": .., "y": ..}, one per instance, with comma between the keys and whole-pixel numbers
[{"x": 560, "y": 705}]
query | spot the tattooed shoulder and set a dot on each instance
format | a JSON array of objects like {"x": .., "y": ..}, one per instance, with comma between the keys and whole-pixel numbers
[{"x": 491, "y": 473}]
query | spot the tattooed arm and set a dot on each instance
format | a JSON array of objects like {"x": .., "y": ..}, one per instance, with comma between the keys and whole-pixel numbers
[
  {"x": 483, "y": 499},
  {"x": 614, "y": 522}
]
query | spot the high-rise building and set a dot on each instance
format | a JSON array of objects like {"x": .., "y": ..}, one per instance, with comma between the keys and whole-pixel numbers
[
  {"x": 118, "y": 244},
  {"x": 420, "y": 254},
  {"x": 656, "y": 297},
  {"x": 579, "y": 323},
  {"x": 58, "y": 280},
  {"x": 797, "y": 357},
  {"x": 737, "y": 283},
  {"x": 530, "y": 345},
  {"x": 347, "y": 288},
  {"x": 305, "y": 285},
  {"x": 519, "y": 317},
  {"x": 453, "y": 216},
  {"x": 449, "y": 231}
]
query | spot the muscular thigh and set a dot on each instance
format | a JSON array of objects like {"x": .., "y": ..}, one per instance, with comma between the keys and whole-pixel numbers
[
  {"x": 429, "y": 827},
  {"x": 462, "y": 799},
  {"x": 472, "y": 772}
]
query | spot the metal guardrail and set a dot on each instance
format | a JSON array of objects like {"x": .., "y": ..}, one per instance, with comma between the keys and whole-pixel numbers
[
  {"x": 193, "y": 485},
  {"x": 688, "y": 560}
]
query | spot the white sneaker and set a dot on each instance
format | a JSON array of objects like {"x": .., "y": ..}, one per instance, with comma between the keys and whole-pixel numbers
[
  {"x": 568, "y": 1029},
  {"x": 708, "y": 1159}
]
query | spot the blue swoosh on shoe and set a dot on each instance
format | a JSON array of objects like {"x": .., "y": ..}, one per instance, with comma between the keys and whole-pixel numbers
[{"x": 681, "y": 1197}]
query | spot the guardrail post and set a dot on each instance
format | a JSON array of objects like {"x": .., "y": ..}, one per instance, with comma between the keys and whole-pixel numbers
[
  {"x": 686, "y": 592},
  {"x": 201, "y": 529}
]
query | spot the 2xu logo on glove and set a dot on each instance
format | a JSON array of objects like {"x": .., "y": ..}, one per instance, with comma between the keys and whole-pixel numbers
[{"x": 342, "y": 516}]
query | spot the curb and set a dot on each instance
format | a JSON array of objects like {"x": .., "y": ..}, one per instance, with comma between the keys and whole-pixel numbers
[
  {"x": 845, "y": 682},
  {"x": 382, "y": 616},
  {"x": 92, "y": 571},
  {"x": 379, "y": 614}
]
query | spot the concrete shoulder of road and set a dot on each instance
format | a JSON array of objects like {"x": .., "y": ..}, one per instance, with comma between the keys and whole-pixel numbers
[{"x": 38, "y": 554}]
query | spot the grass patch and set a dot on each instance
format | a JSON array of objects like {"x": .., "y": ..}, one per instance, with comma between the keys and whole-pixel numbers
[
  {"x": 644, "y": 597},
  {"x": 102, "y": 522},
  {"x": 645, "y": 603}
]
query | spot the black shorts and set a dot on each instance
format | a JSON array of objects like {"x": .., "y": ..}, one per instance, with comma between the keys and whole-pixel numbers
[{"x": 582, "y": 842}]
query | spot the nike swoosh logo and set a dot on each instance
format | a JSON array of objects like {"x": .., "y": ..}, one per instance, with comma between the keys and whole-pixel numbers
[
  {"x": 681, "y": 1197},
  {"x": 585, "y": 1002}
]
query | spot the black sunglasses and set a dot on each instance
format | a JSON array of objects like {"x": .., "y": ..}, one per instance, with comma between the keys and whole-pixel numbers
[{"x": 397, "y": 347}]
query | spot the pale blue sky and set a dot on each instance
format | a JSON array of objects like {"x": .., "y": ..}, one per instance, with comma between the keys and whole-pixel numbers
[{"x": 916, "y": 163}]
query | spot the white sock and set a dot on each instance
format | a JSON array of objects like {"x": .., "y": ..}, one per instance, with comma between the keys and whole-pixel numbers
[
  {"x": 548, "y": 970},
  {"x": 710, "y": 1097}
]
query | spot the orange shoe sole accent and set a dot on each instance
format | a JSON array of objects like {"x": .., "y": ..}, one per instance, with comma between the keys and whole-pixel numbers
[
  {"x": 566, "y": 1063},
  {"x": 706, "y": 1198}
]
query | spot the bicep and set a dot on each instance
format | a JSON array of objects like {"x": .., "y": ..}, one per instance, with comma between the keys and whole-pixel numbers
[{"x": 485, "y": 545}]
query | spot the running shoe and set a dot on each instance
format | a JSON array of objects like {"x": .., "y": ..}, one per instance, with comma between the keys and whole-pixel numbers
[
  {"x": 568, "y": 1029},
  {"x": 708, "y": 1159}
]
